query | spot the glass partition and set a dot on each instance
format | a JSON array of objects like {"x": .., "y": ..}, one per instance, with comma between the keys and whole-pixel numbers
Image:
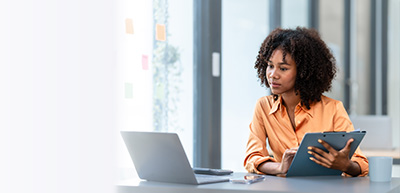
[
  {"x": 294, "y": 13},
  {"x": 394, "y": 68},
  {"x": 244, "y": 28},
  {"x": 155, "y": 70},
  {"x": 331, "y": 17}
]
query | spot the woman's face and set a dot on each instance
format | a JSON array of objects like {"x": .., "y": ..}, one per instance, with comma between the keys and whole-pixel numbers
[{"x": 281, "y": 74}]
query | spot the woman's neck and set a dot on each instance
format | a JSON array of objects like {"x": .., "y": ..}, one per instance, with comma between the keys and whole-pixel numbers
[{"x": 290, "y": 100}]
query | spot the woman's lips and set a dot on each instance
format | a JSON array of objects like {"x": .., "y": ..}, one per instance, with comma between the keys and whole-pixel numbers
[{"x": 274, "y": 84}]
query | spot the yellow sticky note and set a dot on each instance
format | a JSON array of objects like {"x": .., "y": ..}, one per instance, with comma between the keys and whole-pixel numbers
[
  {"x": 129, "y": 26},
  {"x": 160, "y": 32}
]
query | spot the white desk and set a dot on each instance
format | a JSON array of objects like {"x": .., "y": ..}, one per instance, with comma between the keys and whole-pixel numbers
[{"x": 323, "y": 184}]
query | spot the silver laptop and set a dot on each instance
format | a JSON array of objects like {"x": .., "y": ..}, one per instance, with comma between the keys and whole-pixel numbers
[{"x": 160, "y": 157}]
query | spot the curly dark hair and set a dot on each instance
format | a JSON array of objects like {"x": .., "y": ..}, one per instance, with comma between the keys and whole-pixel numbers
[{"x": 316, "y": 66}]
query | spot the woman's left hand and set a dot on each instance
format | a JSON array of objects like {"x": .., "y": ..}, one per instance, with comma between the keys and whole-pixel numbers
[{"x": 332, "y": 159}]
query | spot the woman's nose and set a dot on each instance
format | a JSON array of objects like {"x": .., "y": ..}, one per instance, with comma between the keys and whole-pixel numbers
[{"x": 272, "y": 74}]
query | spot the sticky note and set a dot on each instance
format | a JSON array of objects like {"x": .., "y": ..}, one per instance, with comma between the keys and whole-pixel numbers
[
  {"x": 128, "y": 90},
  {"x": 145, "y": 62},
  {"x": 160, "y": 32},
  {"x": 129, "y": 26}
]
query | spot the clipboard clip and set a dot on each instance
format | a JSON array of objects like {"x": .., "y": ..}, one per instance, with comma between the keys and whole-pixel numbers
[
  {"x": 358, "y": 131},
  {"x": 344, "y": 132}
]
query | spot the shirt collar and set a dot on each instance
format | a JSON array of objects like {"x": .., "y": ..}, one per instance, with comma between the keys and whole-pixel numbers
[{"x": 278, "y": 105}]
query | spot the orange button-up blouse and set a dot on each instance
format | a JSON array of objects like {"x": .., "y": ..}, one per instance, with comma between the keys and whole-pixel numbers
[{"x": 271, "y": 121}]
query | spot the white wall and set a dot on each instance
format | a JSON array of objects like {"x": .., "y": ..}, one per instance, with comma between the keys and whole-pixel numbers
[{"x": 57, "y": 102}]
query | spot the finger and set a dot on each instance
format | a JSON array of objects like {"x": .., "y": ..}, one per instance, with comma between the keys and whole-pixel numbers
[
  {"x": 288, "y": 156},
  {"x": 319, "y": 151},
  {"x": 290, "y": 152},
  {"x": 320, "y": 158},
  {"x": 285, "y": 156},
  {"x": 349, "y": 142},
  {"x": 319, "y": 162},
  {"x": 281, "y": 175},
  {"x": 347, "y": 148},
  {"x": 328, "y": 147}
]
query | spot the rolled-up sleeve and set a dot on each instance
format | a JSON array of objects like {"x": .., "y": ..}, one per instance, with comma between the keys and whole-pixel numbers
[
  {"x": 362, "y": 161},
  {"x": 256, "y": 151},
  {"x": 343, "y": 123}
]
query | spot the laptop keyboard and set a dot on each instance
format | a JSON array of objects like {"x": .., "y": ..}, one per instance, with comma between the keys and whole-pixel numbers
[{"x": 204, "y": 179}]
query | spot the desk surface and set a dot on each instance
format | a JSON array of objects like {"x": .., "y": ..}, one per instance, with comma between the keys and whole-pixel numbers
[{"x": 324, "y": 184}]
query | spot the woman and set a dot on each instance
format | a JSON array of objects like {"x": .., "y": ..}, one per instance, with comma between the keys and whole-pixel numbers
[{"x": 298, "y": 68}]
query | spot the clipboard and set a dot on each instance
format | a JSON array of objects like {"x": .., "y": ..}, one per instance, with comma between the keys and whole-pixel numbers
[{"x": 303, "y": 166}]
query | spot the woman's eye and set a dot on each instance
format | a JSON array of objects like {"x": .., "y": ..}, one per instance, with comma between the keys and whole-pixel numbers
[{"x": 283, "y": 69}]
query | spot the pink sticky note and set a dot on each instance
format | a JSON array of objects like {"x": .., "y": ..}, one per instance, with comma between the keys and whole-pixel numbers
[{"x": 145, "y": 62}]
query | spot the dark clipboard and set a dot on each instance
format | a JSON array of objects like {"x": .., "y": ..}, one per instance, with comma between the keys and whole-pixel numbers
[{"x": 303, "y": 166}]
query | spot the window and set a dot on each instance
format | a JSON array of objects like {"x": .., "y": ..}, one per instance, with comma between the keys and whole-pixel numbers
[
  {"x": 294, "y": 13},
  {"x": 244, "y": 28},
  {"x": 331, "y": 19},
  {"x": 393, "y": 68},
  {"x": 155, "y": 70}
]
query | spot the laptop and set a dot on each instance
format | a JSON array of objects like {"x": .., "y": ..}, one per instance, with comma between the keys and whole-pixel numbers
[{"x": 160, "y": 157}]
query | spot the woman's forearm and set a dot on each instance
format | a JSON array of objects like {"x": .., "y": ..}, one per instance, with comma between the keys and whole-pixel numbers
[
  {"x": 353, "y": 169},
  {"x": 275, "y": 168},
  {"x": 272, "y": 168}
]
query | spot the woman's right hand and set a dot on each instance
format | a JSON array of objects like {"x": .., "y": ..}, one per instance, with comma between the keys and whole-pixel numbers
[
  {"x": 287, "y": 159},
  {"x": 276, "y": 168}
]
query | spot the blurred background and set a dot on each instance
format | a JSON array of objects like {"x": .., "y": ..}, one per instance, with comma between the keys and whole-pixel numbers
[
  {"x": 75, "y": 73},
  {"x": 200, "y": 80}
]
